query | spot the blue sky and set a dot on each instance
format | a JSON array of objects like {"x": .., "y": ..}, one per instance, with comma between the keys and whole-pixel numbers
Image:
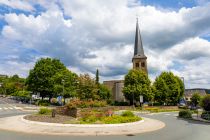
[{"x": 175, "y": 33}]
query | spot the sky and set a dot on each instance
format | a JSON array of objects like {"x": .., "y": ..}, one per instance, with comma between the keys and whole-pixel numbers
[{"x": 99, "y": 34}]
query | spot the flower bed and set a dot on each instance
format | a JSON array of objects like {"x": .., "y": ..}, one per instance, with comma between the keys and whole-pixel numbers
[{"x": 86, "y": 117}]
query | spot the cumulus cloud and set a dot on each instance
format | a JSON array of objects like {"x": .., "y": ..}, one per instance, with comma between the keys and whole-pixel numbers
[
  {"x": 17, "y": 4},
  {"x": 100, "y": 34}
]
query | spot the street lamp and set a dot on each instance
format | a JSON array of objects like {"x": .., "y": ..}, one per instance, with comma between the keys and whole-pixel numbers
[
  {"x": 63, "y": 81},
  {"x": 184, "y": 86}
]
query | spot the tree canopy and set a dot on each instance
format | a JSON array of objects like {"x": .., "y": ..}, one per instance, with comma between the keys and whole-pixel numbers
[
  {"x": 137, "y": 83},
  {"x": 168, "y": 88},
  {"x": 40, "y": 78},
  {"x": 196, "y": 98}
]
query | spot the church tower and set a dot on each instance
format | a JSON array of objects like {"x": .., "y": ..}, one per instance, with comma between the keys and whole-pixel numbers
[{"x": 139, "y": 59}]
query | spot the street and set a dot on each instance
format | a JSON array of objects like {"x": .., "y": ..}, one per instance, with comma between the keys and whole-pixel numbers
[
  {"x": 9, "y": 107},
  {"x": 176, "y": 129}
]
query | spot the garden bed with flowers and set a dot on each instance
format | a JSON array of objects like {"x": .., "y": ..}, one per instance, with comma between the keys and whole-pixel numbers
[{"x": 87, "y": 116}]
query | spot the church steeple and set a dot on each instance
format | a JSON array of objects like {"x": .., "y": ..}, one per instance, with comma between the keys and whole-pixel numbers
[
  {"x": 138, "y": 47},
  {"x": 139, "y": 59}
]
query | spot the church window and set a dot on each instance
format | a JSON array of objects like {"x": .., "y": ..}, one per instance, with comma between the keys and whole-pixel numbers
[
  {"x": 142, "y": 64},
  {"x": 137, "y": 65}
]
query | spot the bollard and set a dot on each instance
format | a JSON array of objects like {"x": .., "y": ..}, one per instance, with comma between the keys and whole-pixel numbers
[{"x": 53, "y": 113}]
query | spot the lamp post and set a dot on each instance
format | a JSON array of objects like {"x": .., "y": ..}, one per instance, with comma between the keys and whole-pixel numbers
[
  {"x": 63, "y": 81},
  {"x": 184, "y": 87},
  {"x": 133, "y": 100}
]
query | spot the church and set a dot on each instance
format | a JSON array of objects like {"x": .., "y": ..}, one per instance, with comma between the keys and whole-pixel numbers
[{"x": 139, "y": 61}]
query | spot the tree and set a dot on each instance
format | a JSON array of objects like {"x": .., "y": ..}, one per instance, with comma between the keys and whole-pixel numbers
[
  {"x": 87, "y": 88},
  {"x": 137, "y": 83},
  {"x": 160, "y": 90},
  {"x": 205, "y": 103},
  {"x": 97, "y": 77},
  {"x": 195, "y": 100},
  {"x": 104, "y": 93},
  {"x": 40, "y": 77},
  {"x": 10, "y": 85},
  {"x": 65, "y": 83},
  {"x": 169, "y": 88}
]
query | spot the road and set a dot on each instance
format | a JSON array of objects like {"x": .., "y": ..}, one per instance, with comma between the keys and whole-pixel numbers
[
  {"x": 176, "y": 129},
  {"x": 9, "y": 108}
]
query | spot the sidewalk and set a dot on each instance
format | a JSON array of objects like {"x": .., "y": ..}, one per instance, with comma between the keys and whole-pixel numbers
[{"x": 26, "y": 126}]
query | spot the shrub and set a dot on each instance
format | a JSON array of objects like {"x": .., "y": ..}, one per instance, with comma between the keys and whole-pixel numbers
[
  {"x": 44, "y": 111},
  {"x": 185, "y": 114},
  {"x": 205, "y": 115},
  {"x": 205, "y": 103},
  {"x": 109, "y": 120},
  {"x": 127, "y": 114},
  {"x": 42, "y": 103},
  {"x": 54, "y": 101},
  {"x": 76, "y": 103},
  {"x": 116, "y": 103},
  {"x": 119, "y": 119}
]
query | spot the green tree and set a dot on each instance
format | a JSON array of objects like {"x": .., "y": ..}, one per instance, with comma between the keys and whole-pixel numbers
[
  {"x": 137, "y": 83},
  {"x": 195, "y": 100},
  {"x": 97, "y": 77},
  {"x": 65, "y": 83},
  {"x": 104, "y": 93},
  {"x": 205, "y": 102},
  {"x": 160, "y": 90},
  {"x": 10, "y": 85},
  {"x": 169, "y": 88},
  {"x": 40, "y": 77},
  {"x": 87, "y": 88}
]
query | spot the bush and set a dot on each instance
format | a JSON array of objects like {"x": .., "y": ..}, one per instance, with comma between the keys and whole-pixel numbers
[
  {"x": 116, "y": 103},
  {"x": 42, "y": 103},
  {"x": 127, "y": 114},
  {"x": 109, "y": 120},
  {"x": 185, "y": 114},
  {"x": 205, "y": 103},
  {"x": 44, "y": 111},
  {"x": 75, "y": 103},
  {"x": 205, "y": 115}
]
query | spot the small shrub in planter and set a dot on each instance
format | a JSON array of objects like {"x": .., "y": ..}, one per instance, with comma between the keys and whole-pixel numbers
[
  {"x": 44, "y": 111},
  {"x": 185, "y": 114},
  {"x": 127, "y": 114},
  {"x": 42, "y": 103}
]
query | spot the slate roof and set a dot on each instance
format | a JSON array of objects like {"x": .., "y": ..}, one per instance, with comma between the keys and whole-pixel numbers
[
  {"x": 190, "y": 92},
  {"x": 138, "y": 47}
]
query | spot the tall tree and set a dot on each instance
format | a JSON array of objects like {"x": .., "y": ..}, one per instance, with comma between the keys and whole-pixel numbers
[
  {"x": 169, "y": 88},
  {"x": 87, "y": 88},
  {"x": 196, "y": 98},
  {"x": 137, "y": 83},
  {"x": 40, "y": 77},
  {"x": 97, "y": 77},
  {"x": 65, "y": 83}
]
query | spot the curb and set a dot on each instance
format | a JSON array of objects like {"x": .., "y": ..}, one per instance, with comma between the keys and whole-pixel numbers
[{"x": 80, "y": 125}]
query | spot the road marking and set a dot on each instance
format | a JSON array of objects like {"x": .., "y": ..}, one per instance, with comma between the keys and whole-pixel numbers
[
  {"x": 0, "y": 108},
  {"x": 5, "y": 108},
  {"x": 168, "y": 114}
]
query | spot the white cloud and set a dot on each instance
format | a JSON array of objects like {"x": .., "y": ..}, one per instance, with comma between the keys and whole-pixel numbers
[
  {"x": 18, "y": 4},
  {"x": 100, "y": 34}
]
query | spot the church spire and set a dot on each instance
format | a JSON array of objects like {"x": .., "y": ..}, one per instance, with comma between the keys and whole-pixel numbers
[
  {"x": 138, "y": 47},
  {"x": 139, "y": 59}
]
